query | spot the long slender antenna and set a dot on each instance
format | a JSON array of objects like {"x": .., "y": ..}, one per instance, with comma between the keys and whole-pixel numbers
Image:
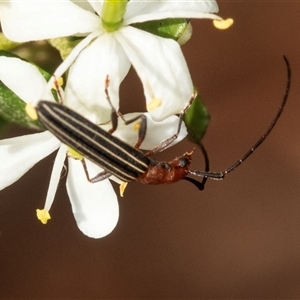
[{"x": 221, "y": 175}]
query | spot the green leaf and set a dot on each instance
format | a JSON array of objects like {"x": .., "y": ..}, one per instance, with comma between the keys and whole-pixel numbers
[
  {"x": 3, "y": 125},
  {"x": 167, "y": 28},
  {"x": 12, "y": 108},
  {"x": 196, "y": 120}
]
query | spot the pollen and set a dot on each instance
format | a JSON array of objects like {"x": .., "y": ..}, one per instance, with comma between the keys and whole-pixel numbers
[
  {"x": 122, "y": 188},
  {"x": 137, "y": 126},
  {"x": 74, "y": 154},
  {"x": 154, "y": 104},
  {"x": 223, "y": 24},
  {"x": 43, "y": 215},
  {"x": 31, "y": 111}
]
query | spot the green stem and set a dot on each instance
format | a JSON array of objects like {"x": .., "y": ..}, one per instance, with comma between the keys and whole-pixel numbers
[{"x": 112, "y": 14}]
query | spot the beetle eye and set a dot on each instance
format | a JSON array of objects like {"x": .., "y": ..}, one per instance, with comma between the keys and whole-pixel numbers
[
  {"x": 165, "y": 166},
  {"x": 183, "y": 161}
]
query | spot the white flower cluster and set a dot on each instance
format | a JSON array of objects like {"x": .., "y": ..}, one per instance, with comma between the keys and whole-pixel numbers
[{"x": 158, "y": 62}]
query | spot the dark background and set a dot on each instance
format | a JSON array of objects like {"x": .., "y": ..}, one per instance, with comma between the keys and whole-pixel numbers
[{"x": 240, "y": 238}]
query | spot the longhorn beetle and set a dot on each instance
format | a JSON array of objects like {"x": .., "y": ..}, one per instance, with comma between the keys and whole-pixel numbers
[{"x": 126, "y": 162}]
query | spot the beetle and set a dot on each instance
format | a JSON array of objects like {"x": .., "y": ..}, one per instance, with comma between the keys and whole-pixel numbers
[{"x": 129, "y": 163}]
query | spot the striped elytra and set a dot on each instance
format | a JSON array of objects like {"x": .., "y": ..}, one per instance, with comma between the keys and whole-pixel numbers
[{"x": 91, "y": 141}]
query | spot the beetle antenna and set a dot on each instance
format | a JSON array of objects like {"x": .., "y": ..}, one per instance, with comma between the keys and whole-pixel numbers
[{"x": 221, "y": 175}]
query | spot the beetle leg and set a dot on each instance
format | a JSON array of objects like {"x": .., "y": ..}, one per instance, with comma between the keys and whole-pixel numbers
[
  {"x": 115, "y": 114},
  {"x": 99, "y": 177},
  {"x": 58, "y": 88}
]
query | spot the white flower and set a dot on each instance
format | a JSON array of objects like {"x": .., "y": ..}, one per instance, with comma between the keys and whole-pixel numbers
[
  {"x": 158, "y": 61},
  {"x": 95, "y": 206}
]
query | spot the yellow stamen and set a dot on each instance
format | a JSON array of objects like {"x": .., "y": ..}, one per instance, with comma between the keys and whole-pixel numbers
[
  {"x": 154, "y": 104},
  {"x": 74, "y": 154},
  {"x": 122, "y": 188},
  {"x": 31, "y": 111},
  {"x": 137, "y": 126},
  {"x": 223, "y": 24},
  {"x": 43, "y": 215}
]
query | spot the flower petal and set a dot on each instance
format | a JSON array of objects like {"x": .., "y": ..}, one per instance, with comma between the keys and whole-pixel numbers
[
  {"x": 36, "y": 20},
  {"x": 65, "y": 65},
  {"x": 55, "y": 175},
  {"x": 161, "y": 67},
  {"x": 85, "y": 90},
  {"x": 84, "y": 4},
  {"x": 156, "y": 131},
  {"x": 141, "y": 11},
  {"x": 97, "y": 6},
  {"x": 20, "y": 154},
  {"x": 95, "y": 205},
  {"x": 23, "y": 78}
]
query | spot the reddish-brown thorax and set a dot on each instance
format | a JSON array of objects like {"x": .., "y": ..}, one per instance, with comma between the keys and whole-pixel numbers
[{"x": 166, "y": 173}]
